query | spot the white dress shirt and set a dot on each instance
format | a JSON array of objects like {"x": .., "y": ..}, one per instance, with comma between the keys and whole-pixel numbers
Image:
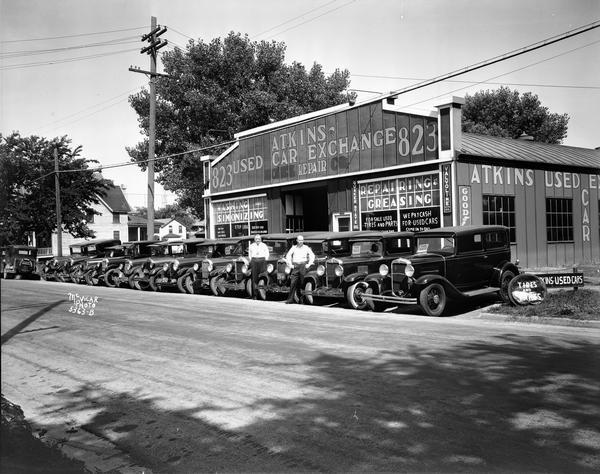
[
  {"x": 300, "y": 254},
  {"x": 258, "y": 250}
]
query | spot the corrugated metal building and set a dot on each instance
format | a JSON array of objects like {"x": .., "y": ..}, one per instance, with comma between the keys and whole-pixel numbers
[{"x": 375, "y": 166}]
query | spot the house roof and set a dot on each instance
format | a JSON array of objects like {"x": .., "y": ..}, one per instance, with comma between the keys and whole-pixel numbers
[
  {"x": 485, "y": 146},
  {"x": 165, "y": 222},
  {"x": 115, "y": 200},
  {"x": 139, "y": 221}
]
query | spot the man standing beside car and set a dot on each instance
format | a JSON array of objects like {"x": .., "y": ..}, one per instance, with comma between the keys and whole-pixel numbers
[
  {"x": 258, "y": 253},
  {"x": 299, "y": 258}
]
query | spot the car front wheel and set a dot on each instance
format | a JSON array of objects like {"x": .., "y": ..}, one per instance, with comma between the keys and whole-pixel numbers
[
  {"x": 185, "y": 284},
  {"x": 505, "y": 279},
  {"x": 354, "y": 295},
  {"x": 433, "y": 299},
  {"x": 308, "y": 296},
  {"x": 110, "y": 278},
  {"x": 261, "y": 289},
  {"x": 216, "y": 285}
]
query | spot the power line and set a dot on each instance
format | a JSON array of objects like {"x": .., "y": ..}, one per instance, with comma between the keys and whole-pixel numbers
[
  {"x": 315, "y": 18},
  {"x": 59, "y": 61},
  {"x": 292, "y": 19},
  {"x": 496, "y": 59},
  {"x": 73, "y": 36},
  {"x": 33, "y": 52},
  {"x": 505, "y": 73}
]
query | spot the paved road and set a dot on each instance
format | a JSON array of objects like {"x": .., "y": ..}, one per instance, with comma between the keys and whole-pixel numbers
[{"x": 160, "y": 382}]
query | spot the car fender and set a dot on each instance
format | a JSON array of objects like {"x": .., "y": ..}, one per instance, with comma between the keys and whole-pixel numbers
[
  {"x": 427, "y": 280},
  {"x": 500, "y": 269},
  {"x": 354, "y": 277},
  {"x": 374, "y": 280}
]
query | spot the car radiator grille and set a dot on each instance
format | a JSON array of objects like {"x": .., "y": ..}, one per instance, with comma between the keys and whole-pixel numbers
[
  {"x": 204, "y": 270},
  {"x": 399, "y": 278},
  {"x": 333, "y": 281}
]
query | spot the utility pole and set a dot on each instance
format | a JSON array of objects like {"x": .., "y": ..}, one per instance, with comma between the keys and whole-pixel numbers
[
  {"x": 58, "y": 207},
  {"x": 154, "y": 45}
]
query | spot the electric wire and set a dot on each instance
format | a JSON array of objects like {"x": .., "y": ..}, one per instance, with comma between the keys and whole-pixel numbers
[
  {"x": 35, "y": 52},
  {"x": 66, "y": 60},
  {"x": 73, "y": 36}
]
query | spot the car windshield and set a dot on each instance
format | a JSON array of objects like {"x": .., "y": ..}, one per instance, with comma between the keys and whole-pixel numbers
[
  {"x": 277, "y": 248},
  {"x": 231, "y": 249},
  {"x": 157, "y": 251},
  {"x": 441, "y": 245},
  {"x": 316, "y": 247},
  {"x": 176, "y": 249},
  {"x": 75, "y": 250},
  {"x": 24, "y": 252},
  {"x": 337, "y": 247},
  {"x": 205, "y": 251},
  {"x": 366, "y": 248}
]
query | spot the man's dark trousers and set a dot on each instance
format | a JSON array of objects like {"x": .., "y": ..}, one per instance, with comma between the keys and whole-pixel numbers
[
  {"x": 257, "y": 266},
  {"x": 297, "y": 282}
]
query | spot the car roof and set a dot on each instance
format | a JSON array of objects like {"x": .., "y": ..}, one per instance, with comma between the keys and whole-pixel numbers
[
  {"x": 463, "y": 230},
  {"x": 166, "y": 243},
  {"x": 207, "y": 242},
  {"x": 322, "y": 236},
  {"x": 375, "y": 235},
  {"x": 195, "y": 240},
  {"x": 96, "y": 242}
]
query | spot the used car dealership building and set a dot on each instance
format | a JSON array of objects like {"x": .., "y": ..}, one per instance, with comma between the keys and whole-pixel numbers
[{"x": 375, "y": 166}]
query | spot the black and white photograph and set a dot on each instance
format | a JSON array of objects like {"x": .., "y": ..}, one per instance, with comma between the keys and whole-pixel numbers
[{"x": 271, "y": 236}]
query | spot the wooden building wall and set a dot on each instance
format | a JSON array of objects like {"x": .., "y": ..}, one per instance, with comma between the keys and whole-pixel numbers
[{"x": 530, "y": 189}]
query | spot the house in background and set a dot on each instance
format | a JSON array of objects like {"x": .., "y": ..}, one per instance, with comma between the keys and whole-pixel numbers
[
  {"x": 171, "y": 228},
  {"x": 138, "y": 228},
  {"x": 111, "y": 223},
  {"x": 198, "y": 228}
]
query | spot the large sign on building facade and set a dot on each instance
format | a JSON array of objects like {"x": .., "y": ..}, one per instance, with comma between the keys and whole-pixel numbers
[
  {"x": 240, "y": 217},
  {"x": 365, "y": 138},
  {"x": 404, "y": 203}
]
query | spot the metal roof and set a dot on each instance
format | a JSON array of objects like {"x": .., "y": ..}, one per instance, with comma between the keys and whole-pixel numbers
[{"x": 485, "y": 146}]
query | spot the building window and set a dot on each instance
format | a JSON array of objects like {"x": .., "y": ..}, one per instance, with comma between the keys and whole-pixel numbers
[
  {"x": 180, "y": 229},
  {"x": 116, "y": 234},
  {"x": 500, "y": 210},
  {"x": 559, "y": 220},
  {"x": 170, "y": 229},
  {"x": 116, "y": 218}
]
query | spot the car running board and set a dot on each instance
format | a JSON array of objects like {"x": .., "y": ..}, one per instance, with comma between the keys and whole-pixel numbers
[{"x": 482, "y": 291}]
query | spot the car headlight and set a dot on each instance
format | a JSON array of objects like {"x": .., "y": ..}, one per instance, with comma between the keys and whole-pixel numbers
[
  {"x": 71, "y": 261},
  {"x": 165, "y": 267},
  {"x": 128, "y": 265},
  {"x": 121, "y": 266},
  {"x": 175, "y": 264},
  {"x": 209, "y": 266},
  {"x": 244, "y": 268},
  {"x": 409, "y": 271},
  {"x": 270, "y": 268},
  {"x": 320, "y": 270},
  {"x": 339, "y": 270},
  {"x": 151, "y": 263},
  {"x": 288, "y": 270},
  {"x": 105, "y": 263},
  {"x": 196, "y": 267},
  {"x": 384, "y": 269},
  {"x": 229, "y": 267}
]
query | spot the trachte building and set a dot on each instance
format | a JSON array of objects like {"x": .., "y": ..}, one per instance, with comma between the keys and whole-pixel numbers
[{"x": 375, "y": 166}]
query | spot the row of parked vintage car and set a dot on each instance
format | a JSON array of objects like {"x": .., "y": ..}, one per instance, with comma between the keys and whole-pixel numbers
[{"x": 369, "y": 270}]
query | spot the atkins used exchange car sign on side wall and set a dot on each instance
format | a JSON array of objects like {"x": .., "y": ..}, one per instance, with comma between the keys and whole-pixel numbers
[{"x": 359, "y": 139}]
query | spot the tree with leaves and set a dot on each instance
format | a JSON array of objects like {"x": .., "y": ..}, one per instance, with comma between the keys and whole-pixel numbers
[
  {"x": 506, "y": 113},
  {"x": 27, "y": 188},
  {"x": 220, "y": 88}
]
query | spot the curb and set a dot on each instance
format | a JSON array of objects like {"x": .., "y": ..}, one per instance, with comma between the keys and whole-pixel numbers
[{"x": 483, "y": 313}]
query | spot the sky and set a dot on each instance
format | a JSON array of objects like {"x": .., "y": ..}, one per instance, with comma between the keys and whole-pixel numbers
[{"x": 80, "y": 87}]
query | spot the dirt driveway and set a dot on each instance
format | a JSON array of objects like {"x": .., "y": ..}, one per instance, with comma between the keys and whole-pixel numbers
[{"x": 185, "y": 383}]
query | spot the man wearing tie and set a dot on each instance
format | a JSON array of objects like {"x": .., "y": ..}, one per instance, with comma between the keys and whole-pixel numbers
[{"x": 300, "y": 257}]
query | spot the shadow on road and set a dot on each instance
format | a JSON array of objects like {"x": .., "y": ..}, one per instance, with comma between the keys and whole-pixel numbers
[
  {"x": 517, "y": 404},
  {"x": 8, "y": 335}
]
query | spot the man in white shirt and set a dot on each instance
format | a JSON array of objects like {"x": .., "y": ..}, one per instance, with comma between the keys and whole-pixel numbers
[
  {"x": 300, "y": 257},
  {"x": 258, "y": 253}
]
